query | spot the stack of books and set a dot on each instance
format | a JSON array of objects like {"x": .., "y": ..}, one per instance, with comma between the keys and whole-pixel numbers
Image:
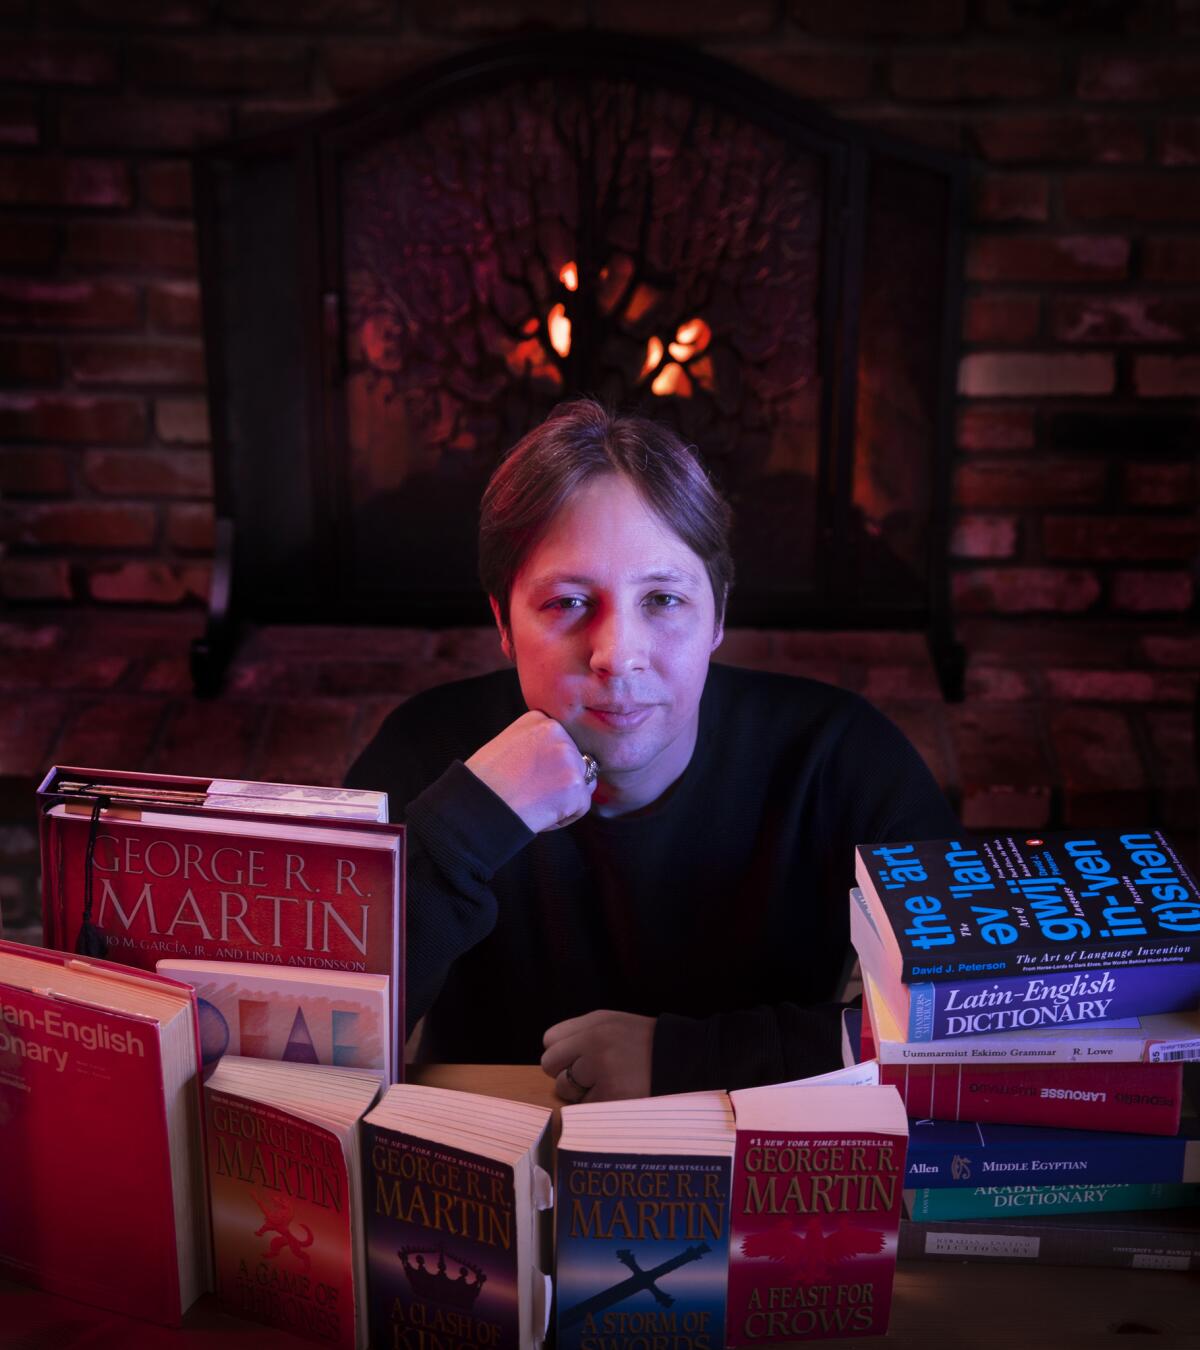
[{"x": 1034, "y": 1001}]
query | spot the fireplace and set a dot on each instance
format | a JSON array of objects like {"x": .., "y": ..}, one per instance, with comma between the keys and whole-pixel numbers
[{"x": 395, "y": 292}]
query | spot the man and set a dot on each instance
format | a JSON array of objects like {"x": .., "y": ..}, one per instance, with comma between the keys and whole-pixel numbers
[{"x": 621, "y": 859}]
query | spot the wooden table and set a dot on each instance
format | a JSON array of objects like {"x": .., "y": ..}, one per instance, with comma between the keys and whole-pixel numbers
[{"x": 935, "y": 1304}]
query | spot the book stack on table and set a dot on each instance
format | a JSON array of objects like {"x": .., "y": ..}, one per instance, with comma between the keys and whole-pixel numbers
[{"x": 1035, "y": 1002}]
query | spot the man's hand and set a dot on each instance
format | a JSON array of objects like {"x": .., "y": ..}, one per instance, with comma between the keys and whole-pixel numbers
[
  {"x": 606, "y": 1055},
  {"x": 536, "y": 768}
]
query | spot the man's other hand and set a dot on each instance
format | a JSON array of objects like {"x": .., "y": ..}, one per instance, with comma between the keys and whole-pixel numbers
[
  {"x": 536, "y": 768},
  {"x": 601, "y": 1056}
]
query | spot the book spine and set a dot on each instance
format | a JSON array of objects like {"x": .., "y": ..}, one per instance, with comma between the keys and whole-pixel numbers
[
  {"x": 1145, "y": 1248},
  {"x": 1091, "y": 1046},
  {"x": 1018, "y": 1203},
  {"x": 1025, "y": 1002},
  {"x": 1143, "y": 1098}
]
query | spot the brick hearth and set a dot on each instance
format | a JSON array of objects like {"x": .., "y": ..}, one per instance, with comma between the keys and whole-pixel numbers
[{"x": 1063, "y": 724}]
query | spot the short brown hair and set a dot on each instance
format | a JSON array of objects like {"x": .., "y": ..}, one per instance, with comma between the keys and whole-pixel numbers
[{"x": 580, "y": 441}]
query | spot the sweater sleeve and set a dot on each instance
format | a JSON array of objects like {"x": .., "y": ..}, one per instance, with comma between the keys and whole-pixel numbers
[
  {"x": 459, "y": 833},
  {"x": 873, "y": 787}
]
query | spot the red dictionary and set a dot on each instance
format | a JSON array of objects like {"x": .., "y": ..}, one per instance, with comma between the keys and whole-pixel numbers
[
  {"x": 1139, "y": 1098},
  {"x": 196, "y": 882},
  {"x": 815, "y": 1212},
  {"x": 102, "y": 1194}
]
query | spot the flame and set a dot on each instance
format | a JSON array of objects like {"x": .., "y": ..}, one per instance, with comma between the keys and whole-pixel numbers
[
  {"x": 560, "y": 329},
  {"x": 672, "y": 379},
  {"x": 654, "y": 354},
  {"x": 569, "y": 276},
  {"x": 691, "y": 338}
]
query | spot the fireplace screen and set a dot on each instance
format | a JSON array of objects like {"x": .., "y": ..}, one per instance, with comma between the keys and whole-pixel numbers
[{"x": 564, "y": 218}]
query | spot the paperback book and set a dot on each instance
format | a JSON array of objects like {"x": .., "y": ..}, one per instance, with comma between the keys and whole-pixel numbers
[
  {"x": 642, "y": 1223},
  {"x": 454, "y": 1187},
  {"x": 817, "y": 1180},
  {"x": 100, "y": 1204},
  {"x": 284, "y": 1167}
]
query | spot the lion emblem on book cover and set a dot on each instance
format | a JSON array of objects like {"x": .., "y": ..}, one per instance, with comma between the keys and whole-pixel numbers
[
  {"x": 811, "y": 1254},
  {"x": 277, "y": 1218}
]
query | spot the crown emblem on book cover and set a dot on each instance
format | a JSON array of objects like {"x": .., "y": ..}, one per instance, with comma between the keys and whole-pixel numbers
[{"x": 457, "y": 1291}]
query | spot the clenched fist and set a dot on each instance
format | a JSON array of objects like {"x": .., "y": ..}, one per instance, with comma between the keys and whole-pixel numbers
[{"x": 536, "y": 768}]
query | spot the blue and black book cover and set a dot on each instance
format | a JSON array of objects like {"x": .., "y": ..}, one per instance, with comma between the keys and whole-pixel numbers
[
  {"x": 442, "y": 1245},
  {"x": 642, "y": 1250}
]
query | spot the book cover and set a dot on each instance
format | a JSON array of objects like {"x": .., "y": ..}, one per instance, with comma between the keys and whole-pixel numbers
[
  {"x": 642, "y": 1246},
  {"x": 1044, "y": 905},
  {"x": 100, "y": 1204},
  {"x": 1142, "y": 1098},
  {"x": 1022, "y": 1202},
  {"x": 815, "y": 1212},
  {"x": 283, "y": 1236},
  {"x": 442, "y": 1244}
]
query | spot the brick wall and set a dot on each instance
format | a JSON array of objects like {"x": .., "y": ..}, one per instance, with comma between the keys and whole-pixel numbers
[{"x": 1075, "y": 485}]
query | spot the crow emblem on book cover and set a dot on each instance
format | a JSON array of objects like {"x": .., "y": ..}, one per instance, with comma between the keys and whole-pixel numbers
[
  {"x": 277, "y": 1218},
  {"x": 811, "y": 1254}
]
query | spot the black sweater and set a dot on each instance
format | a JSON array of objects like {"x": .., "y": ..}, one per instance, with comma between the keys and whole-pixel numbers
[{"x": 722, "y": 909}]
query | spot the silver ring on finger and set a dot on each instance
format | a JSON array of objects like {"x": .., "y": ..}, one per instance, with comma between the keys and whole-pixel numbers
[
  {"x": 574, "y": 1082},
  {"x": 591, "y": 770}
]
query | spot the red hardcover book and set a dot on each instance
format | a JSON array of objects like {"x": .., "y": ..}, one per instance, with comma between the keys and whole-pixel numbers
[
  {"x": 818, "y": 1174},
  {"x": 102, "y": 1194},
  {"x": 191, "y": 882},
  {"x": 1138, "y": 1098}
]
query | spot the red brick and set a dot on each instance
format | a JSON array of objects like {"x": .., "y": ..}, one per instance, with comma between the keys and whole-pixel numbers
[
  {"x": 984, "y": 537},
  {"x": 308, "y": 741},
  {"x": 826, "y": 74},
  {"x": 1001, "y": 319},
  {"x": 1179, "y": 141},
  {"x": 1058, "y": 138},
  {"x": 19, "y": 120},
  {"x": 311, "y": 13},
  {"x": 964, "y": 76},
  {"x": 1038, "y": 642},
  {"x": 28, "y": 243},
  {"x": 149, "y": 583},
  {"x": 904, "y": 682},
  {"x": 1004, "y": 774},
  {"x": 1173, "y": 765},
  {"x": 995, "y": 428},
  {"x": 149, "y": 473},
  {"x": 1167, "y": 376},
  {"x": 1010, "y": 196},
  {"x": 142, "y": 124},
  {"x": 1178, "y": 651},
  {"x": 220, "y": 65},
  {"x": 1124, "y": 318},
  {"x": 80, "y": 525},
  {"x": 175, "y": 306},
  {"x": 136, "y": 363},
  {"x": 1150, "y": 197},
  {"x": 138, "y": 246},
  {"x": 1152, "y": 592},
  {"x": 72, "y": 418},
  {"x": 987, "y": 683},
  {"x": 1030, "y": 483},
  {"x": 1136, "y": 538},
  {"x": 1075, "y": 257},
  {"x": 29, "y": 725},
  {"x": 1163, "y": 483},
  {"x": 1171, "y": 259},
  {"x": 35, "y": 579},
  {"x": 56, "y": 670},
  {"x": 190, "y": 528},
  {"x": 633, "y": 16},
  {"x": 254, "y": 116},
  {"x": 1099, "y": 767},
  {"x": 167, "y": 186},
  {"x": 1024, "y": 590},
  {"x": 51, "y": 180},
  {"x": 69, "y": 304},
  {"x": 1119, "y": 686},
  {"x": 1128, "y": 79},
  {"x": 358, "y": 67},
  {"x": 1035, "y": 374},
  {"x": 111, "y": 730},
  {"x": 164, "y": 13},
  {"x": 181, "y": 421},
  {"x": 28, "y": 361},
  {"x": 880, "y": 18},
  {"x": 211, "y": 738},
  {"x": 31, "y": 60},
  {"x": 35, "y": 473}
]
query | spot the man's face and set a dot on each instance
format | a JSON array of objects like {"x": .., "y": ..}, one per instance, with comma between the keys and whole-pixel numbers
[{"x": 611, "y": 624}]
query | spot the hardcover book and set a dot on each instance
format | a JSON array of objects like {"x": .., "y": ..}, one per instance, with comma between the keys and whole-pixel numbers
[
  {"x": 290, "y": 1013},
  {"x": 191, "y": 882},
  {"x": 1024, "y": 1202},
  {"x": 454, "y": 1185},
  {"x": 283, "y": 1168},
  {"x": 817, "y": 1180},
  {"x": 642, "y": 1223},
  {"x": 102, "y": 1192}
]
